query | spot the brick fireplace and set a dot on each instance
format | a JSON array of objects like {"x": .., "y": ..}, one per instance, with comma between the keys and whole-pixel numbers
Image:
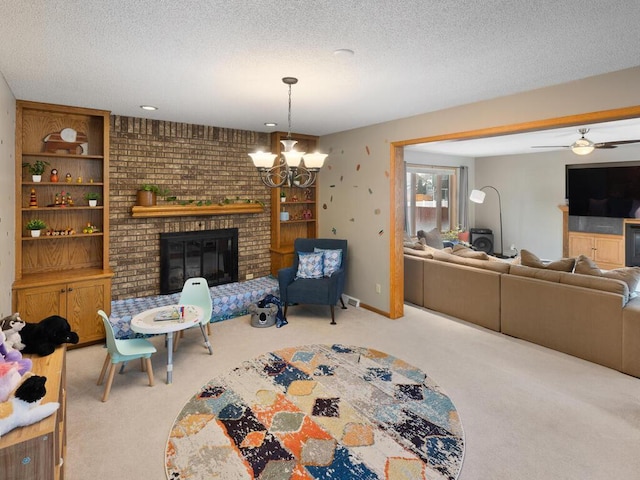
[{"x": 196, "y": 163}]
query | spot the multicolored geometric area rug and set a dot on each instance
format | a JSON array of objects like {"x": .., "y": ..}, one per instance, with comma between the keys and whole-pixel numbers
[{"x": 318, "y": 412}]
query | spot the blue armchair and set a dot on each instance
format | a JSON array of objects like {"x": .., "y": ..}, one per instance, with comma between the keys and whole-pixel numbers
[{"x": 313, "y": 291}]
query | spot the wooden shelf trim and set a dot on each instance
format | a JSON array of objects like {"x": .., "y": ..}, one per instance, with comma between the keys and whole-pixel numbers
[
  {"x": 61, "y": 209},
  {"x": 194, "y": 210},
  {"x": 57, "y": 277},
  {"x": 62, "y": 155},
  {"x": 44, "y": 237},
  {"x": 62, "y": 184}
]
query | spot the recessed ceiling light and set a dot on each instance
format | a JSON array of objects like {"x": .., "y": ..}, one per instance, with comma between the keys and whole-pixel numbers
[
  {"x": 270, "y": 124},
  {"x": 344, "y": 52},
  {"x": 148, "y": 107}
]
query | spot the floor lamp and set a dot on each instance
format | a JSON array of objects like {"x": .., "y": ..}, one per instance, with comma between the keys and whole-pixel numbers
[{"x": 477, "y": 196}]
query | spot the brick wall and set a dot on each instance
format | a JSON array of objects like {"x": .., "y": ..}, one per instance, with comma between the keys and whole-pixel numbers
[{"x": 194, "y": 162}]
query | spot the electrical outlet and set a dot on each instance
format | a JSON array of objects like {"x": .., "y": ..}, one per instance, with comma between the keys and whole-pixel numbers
[
  {"x": 378, "y": 288},
  {"x": 249, "y": 276},
  {"x": 512, "y": 247}
]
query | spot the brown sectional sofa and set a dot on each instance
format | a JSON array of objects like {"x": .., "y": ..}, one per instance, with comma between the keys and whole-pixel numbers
[{"x": 586, "y": 316}]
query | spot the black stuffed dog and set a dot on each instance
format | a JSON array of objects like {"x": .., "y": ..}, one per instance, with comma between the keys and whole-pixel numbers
[{"x": 43, "y": 337}]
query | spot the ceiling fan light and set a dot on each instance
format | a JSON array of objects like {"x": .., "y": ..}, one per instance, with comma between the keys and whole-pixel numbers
[{"x": 582, "y": 146}]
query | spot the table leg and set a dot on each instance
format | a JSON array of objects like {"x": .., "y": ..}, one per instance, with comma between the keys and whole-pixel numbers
[{"x": 169, "y": 357}]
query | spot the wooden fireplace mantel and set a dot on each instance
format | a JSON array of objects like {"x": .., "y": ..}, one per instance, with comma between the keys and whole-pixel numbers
[{"x": 195, "y": 210}]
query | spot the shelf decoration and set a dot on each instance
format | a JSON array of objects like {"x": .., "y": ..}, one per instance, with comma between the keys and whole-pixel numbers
[
  {"x": 35, "y": 226},
  {"x": 308, "y": 194},
  {"x": 66, "y": 140},
  {"x": 90, "y": 228},
  {"x": 60, "y": 233},
  {"x": 92, "y": 198},
  {"x": 33, "y": 201},
  {"x": 147, "y": 194},
  {"x": 36, "y": 169}
]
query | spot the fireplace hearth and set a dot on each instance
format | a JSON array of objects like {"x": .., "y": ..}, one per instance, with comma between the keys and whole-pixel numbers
[{"x": 212, "y": 254}]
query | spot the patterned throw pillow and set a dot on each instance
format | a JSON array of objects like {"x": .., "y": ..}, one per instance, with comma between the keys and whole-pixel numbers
[
  {"x": 310, "y": 265},
  {"x": 332, "y": 260}
]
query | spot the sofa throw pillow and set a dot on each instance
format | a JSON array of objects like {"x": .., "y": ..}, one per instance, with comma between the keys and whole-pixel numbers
[
  {"x": 629, "y": 275},
  {"x": 332, "y": 260},
  {"x": 528, "y": 259},
  {"x": 432, "y": 238},
  {"x": 467, "y": 252},
  {"x": 310, "y": 265},
  {"x": 415, "y": 245},
  {"x": 586, "y": 266}
]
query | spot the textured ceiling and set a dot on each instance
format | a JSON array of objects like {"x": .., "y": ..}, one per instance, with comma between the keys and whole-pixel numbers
[
  {"x": 521, "y": 143},
  {"x": 220, "y": 63}
]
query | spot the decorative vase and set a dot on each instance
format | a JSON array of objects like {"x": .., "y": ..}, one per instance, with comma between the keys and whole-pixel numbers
[
  {"x": 284, "y": 216},
  {"x": 93, "y": 203},
  {"x": 36, "y": 178},
  {"x": 145, "y": 198},
  {"x": 35, "y": 233}
]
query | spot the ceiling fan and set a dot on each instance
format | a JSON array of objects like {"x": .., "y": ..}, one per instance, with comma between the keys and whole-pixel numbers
[{"x": 584, "y": 146}]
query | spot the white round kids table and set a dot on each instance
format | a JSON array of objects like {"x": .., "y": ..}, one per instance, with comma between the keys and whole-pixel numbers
[{"x": 167, "y": 320}]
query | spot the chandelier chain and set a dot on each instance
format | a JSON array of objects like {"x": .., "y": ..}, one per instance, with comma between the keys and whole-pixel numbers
[{"x": 289, "y": 117}]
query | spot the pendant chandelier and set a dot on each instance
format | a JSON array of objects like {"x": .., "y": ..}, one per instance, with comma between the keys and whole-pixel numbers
[{"x": 293, "y": 168}]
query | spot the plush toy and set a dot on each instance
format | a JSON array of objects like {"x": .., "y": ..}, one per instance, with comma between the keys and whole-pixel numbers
[
  {"x": 10, "y": 378},
  {"x": 43, "y": 337},
  {"x": 11, "y": 327},
  {"x": 9, "y": 355},
  {"x": 23, "y": 408}
]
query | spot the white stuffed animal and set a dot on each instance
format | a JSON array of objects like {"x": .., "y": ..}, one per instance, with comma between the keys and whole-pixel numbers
[
  {"x": 11, "y": 327},
  {"x": 24, "y": 408}
]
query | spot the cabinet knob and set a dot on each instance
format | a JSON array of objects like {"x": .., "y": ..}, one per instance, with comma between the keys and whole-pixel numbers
[
  {"x": 69, "y": 289},
  {"x": 62, "y": 290}
]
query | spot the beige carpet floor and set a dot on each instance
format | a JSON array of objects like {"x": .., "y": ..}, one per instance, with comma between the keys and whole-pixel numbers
[{"x": 528, "y": 412}]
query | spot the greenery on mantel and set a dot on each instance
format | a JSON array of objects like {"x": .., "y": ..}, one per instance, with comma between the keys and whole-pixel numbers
[
  {"x": 224, "y": 201},
  {"x": 228, "y": 200}
]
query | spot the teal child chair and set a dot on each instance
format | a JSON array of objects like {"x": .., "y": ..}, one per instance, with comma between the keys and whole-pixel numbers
[
  {"x": 196, "y": 292},
  {"x": 119, "y": 351}
]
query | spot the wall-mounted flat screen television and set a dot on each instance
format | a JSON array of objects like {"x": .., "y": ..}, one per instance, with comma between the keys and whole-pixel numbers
[{"x": 604, "y": 189}]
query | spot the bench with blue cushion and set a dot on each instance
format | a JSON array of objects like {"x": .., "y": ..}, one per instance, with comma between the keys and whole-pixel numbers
[{"x": 229, "y": 301}]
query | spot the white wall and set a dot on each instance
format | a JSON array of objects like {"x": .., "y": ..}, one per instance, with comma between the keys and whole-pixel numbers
[
  {"x": 7, "y": 194},
  {"x": 355, "y": 186}
]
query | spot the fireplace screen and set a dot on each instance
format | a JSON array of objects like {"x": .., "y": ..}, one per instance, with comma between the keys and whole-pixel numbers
[{"x": 212, "y": 254}]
